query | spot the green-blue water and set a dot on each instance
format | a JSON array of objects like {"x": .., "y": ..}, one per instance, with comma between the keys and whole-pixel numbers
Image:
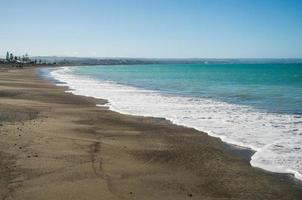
[{"x": 273, "y": 87}]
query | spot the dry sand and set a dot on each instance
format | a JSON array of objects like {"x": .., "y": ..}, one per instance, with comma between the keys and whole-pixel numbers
[{"x": 54, "y": 145}]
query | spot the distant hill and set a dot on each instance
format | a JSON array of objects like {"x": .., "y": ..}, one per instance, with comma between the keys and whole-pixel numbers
[{"x": 132, "y": 61}]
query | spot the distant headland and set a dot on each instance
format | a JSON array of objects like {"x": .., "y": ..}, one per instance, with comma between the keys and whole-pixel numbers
[{"x": 23, "y": 60}]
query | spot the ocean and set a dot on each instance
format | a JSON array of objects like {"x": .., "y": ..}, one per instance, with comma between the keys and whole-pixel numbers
[{"x": 257, "y": 106}]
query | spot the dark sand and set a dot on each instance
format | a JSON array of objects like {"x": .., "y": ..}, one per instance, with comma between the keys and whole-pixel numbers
[{"x": 54, "y": 145}]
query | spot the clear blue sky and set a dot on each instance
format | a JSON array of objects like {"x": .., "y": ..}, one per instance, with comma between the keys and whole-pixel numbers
[{"x": 152, "y": 28}]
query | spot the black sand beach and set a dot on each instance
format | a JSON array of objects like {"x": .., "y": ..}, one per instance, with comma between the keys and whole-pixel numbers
[{"x": 55, "y": 145}]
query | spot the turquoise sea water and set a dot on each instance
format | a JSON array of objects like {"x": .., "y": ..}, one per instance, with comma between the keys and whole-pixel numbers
[
  {"x": 258, "y": 106},
  {"x": 274, "y": 87}
]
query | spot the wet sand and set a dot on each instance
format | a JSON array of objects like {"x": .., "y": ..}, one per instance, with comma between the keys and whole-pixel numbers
[{"x": 55, "y": 145}]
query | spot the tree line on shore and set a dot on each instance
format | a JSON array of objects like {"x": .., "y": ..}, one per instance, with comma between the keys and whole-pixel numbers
[
  {"x": 24, "y": 59},
  {"x": 21, "y": 60}
]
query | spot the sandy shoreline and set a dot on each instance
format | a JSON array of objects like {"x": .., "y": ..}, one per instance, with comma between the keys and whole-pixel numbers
[{"x": 55, "y": 145}]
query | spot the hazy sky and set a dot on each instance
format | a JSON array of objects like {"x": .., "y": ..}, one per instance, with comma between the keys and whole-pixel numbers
[{"x": 152, "y": 28}]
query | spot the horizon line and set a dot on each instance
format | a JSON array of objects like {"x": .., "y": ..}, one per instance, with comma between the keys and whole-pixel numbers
[{"x": 163, "y": 58}]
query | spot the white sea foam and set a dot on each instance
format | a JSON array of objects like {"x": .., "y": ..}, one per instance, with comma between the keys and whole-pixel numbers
[{"x": 276, "y": 138}]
